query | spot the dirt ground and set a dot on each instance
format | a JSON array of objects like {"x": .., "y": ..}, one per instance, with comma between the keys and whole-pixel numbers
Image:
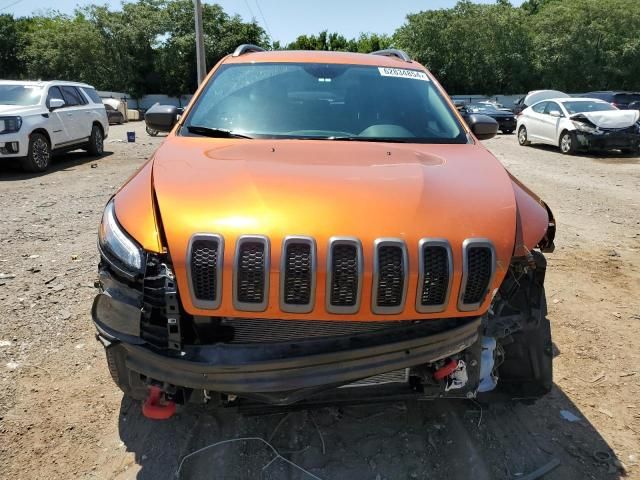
[{"x": 61, "y": 416}]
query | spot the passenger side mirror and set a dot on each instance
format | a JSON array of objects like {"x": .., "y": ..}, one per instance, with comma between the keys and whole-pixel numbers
[
  {"x": 161, "y": 117},
  {"x": 56, "y": 103},
  {"x": 555, "y": 113},
  {"x": 483, "y": 126}
]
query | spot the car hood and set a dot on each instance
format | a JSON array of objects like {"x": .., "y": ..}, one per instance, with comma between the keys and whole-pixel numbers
[
  {"x": 610, "y": 118},
  {"x": 536, "y": 96},
  {"x": 18, "y": 109},
  {"x": 323, "y": 189}
]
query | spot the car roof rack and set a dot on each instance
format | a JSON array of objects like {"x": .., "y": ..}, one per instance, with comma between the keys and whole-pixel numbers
[
  {"x": 247, "y": 48},
  {"x": 393, "y": 52}
]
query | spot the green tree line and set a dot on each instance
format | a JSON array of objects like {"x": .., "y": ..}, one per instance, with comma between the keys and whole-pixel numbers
[{"x": 149, "y": 47}]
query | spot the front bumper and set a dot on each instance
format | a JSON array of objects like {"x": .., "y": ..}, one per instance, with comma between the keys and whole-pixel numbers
[
  {"x": 12, "y": 145},
  {"x": 285, "y": 372},
  {"x": 608, "y": 140}
]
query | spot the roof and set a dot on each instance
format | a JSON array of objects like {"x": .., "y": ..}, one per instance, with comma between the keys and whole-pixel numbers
[
  {"x": 43, "y": 83},
  {"x": 317, "y": 56}
]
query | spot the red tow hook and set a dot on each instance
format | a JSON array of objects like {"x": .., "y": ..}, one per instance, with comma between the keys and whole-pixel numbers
[
  {"x": 446, "y": 370},
  {"x": 156, "y": 407}
]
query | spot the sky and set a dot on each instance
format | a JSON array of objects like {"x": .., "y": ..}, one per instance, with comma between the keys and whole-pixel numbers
[{"x": 284, "y": 20}]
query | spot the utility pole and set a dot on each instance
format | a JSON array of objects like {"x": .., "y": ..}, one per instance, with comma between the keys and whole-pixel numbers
[{"x": 200, "y": 58}]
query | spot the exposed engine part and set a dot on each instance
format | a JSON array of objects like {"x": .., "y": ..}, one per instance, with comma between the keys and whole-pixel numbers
[
  {"x": 488, "y": 378},
  {"x": 458, "y": 378}
]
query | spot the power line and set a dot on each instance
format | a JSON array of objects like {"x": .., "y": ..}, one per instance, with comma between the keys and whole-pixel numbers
[
  {"x": 266, "y": 25},
  {"x": 249, "y": 8},
  {"x": 11, "y": 5}
]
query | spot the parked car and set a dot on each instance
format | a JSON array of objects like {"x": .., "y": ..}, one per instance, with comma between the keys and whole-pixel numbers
[
  {"x": 319, "y": 220},
  {"x": 114, "y": 115},
  {"x": 580, "y": 124},
  {"x": 535, "y": 96},
  {"x": 506, "y": 119},
  {"x": 619, "y": 99},
  {"x": 38, "y": 119}
]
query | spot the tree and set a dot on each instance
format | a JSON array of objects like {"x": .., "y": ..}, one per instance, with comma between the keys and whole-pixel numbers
[
  {"x": 471, "y": 48},
  {"x": 9, "y": 47}
]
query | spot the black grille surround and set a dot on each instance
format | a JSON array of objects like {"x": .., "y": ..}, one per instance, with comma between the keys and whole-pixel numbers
[
  {"x": 251, "y": 273},
  {"x": 298, "y": 274},
  {"x": 204, "y": 269},
  {"x": 390, "y": 276},
  {"x": 344, "y": 275},
  {"x": 478, "y": 269},
  {"x": 435, "y": 266}
]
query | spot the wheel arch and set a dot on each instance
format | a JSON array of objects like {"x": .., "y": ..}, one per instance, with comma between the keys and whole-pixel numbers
[{"x": 42, "y": 131}]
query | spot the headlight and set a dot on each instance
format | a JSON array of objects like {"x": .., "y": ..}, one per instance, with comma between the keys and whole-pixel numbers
[
  {"x": 10, "y": 124},
  {"x": 117, "y": 244},
  {"x": 583, "y": 127}
]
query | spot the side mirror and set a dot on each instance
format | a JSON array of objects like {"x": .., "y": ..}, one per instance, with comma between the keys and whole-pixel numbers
[
  {"x": 555, "y": 113},
  {"x": 483, "y": 126},
  {"x": 56, "y": 103},
  {"x": 161, "y": 117}
]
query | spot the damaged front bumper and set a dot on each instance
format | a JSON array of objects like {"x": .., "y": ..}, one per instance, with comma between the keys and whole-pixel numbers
[
  {"x": 283, "y": 373},
  {"x": 609, "y": 140}
]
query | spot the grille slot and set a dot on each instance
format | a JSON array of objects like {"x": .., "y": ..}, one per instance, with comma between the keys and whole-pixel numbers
[
  {"x": 204, "y": 269},
  {"x": 251, "y": 273},
  {"x": 435, "y": 275},
  {"x": 344, "y": 275},
  {"x": 390, "y": 271},
  {"x": 297, "y": 274},
  {"x": 478, "y": 269}
]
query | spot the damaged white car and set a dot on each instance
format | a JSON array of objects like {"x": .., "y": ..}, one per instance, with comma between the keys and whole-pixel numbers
[{"x": 579, "y": 124}]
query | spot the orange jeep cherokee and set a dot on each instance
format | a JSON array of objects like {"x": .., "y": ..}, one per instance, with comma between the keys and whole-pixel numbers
[{"x": 316, "y": 222}]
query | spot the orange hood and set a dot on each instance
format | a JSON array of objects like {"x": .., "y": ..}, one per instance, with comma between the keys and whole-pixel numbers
[{"x": 323, "y": 189}]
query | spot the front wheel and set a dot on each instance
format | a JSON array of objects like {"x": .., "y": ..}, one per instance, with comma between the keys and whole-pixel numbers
[
  {"x": 151, "y": 131},
  {"x": 522, "y": 136},
  {"x": 38, "y": 157},
  {"x": 96, "y": 141},
  {"x": 567, "y": 143}
]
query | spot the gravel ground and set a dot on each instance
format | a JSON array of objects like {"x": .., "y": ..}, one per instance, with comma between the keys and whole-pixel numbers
[{"x": 61, "y": 416}]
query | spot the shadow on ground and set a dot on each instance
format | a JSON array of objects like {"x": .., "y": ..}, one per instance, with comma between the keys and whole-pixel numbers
[
  {"x": 429, "y": 439},
  {"x": 607, "y": 156},
  {"x": 10, "y": 169}
]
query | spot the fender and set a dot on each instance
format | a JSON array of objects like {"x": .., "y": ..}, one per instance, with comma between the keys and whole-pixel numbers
[{"x": 535, "y": 225}]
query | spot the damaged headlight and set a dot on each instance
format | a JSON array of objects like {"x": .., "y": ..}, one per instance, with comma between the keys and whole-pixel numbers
[
  {"x": 583, "y": 127},
  {"x": 116, "y": 243}
]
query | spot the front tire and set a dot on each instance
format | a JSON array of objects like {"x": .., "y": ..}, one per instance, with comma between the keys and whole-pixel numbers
[
  {"x": 568, "y": 143},
  {"x": 96, "y": 141},
  {"x": 125, "y": 379},
  {"x": 522, "y": 136},
  {"x": 38, "y": 157}
]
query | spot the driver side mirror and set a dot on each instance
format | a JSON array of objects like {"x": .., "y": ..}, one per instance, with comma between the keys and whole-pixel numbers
[
  {"x": 483, "y": 126},
  {"x": 56, "y": 103},
  {"x": 162, "y": 117},
  {"x": 555, "y": 113}
]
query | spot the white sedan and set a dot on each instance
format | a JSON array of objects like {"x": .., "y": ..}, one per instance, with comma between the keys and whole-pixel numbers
[{"x": 579, "y": 124}]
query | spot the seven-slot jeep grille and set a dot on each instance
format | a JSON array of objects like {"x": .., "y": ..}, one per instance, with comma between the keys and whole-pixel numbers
[{"x": 345, "y": 268}]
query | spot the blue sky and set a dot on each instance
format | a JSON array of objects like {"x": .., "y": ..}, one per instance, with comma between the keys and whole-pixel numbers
[{"x": 285, "y": 19}]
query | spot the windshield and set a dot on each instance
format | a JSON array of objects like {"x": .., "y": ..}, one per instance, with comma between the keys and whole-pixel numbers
[
  {"x": 580, "y": 107},
  {"x": 325, "y": 101},
  {"x": 482, "y": 108},
  {"x": 23, "y": 95}
]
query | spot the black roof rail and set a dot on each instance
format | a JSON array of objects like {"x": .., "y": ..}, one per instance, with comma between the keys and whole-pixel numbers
[
  {"x": 247, "y": 48},
  {"x": 393, "y": 52}
]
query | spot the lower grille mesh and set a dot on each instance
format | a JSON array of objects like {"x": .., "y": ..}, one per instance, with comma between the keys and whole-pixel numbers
[
  {"x": 390, "y": 277},
  {"x": 204, "y": 262},
  {"x": 436, "y": 275},
  {"x": 297, "y": 274},
  {"x": 479, "y": 271},
  {"x": 251, "y": 272},
  {"x": 247, "y": 330},
  {"x": 344, "y": 276}
]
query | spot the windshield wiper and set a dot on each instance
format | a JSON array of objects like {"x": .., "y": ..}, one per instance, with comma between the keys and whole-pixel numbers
[
  {"x": 214, "y": 132},
  {"x": 371, "y": 139}
]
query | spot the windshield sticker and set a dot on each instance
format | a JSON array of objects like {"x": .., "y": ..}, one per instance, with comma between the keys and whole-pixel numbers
[{"x": 403, "y": 73}]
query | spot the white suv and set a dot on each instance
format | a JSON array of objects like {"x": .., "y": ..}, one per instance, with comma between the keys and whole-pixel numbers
[{"x": 39, "y": 118}]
